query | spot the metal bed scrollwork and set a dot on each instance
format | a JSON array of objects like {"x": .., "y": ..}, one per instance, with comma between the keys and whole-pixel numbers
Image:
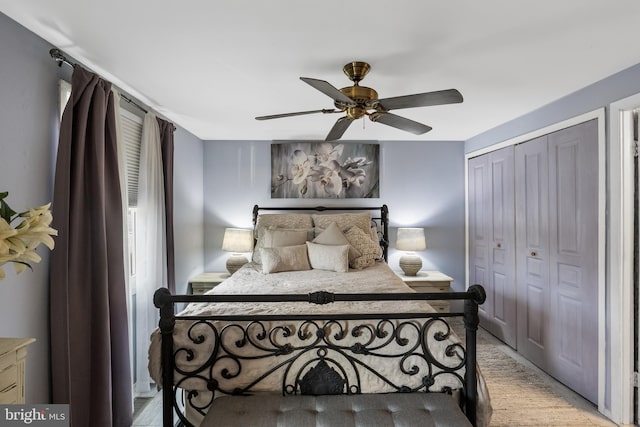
[{"x": 318, "y": 354}]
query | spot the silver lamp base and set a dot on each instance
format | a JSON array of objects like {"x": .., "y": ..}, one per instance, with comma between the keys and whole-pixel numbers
[
  {"x": 235, "y": 262},
  {"x": 410, "y": 264}
]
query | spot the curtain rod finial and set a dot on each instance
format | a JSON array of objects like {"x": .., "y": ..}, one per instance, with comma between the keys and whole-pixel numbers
[{"x": 57, "y": 56}]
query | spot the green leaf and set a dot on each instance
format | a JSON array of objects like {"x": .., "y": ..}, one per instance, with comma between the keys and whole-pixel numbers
[{"x": 5, "y": 211}]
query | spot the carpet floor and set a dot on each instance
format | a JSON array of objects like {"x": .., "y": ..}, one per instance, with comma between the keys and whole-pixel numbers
[{"x": 523, "y": 395}]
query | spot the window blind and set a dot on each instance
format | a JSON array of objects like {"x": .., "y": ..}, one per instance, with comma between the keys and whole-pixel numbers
[
  {"x": 131, "y": 126},
  {"x": 131, "y": 135}
]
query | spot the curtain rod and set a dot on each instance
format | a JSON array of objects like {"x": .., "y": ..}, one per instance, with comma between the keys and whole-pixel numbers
[{"x": 58, "y": 56}]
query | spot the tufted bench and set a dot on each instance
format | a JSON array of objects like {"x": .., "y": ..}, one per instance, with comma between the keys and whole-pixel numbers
[{"x": 356, "y": 410}]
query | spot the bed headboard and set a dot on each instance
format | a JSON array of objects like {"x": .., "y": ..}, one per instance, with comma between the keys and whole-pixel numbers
[{"x": 379, "y": 215}]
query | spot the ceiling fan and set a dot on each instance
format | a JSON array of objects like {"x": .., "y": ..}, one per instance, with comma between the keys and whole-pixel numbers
[{"x": 357, "y": 101}]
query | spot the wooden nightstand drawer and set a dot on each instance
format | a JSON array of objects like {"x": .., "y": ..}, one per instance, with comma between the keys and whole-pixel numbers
[
  {"x": 420, "y": 287},
  {"x": 430, "y": 282},
  {"x": 8, "y": 377},
  {"x": 204, "y": 282},
  {"x": 9, "y": 395},
  {"x": 7, "y": 360}
]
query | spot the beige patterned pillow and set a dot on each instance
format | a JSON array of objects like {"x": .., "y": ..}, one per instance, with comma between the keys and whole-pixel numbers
[
  {"x": 333, "y": 236},
  {"x": 328, "y": 257},
  {"x": 274, "y": 237},
  {"x": 345, "y": 221},
  {"x": 369, "y": 249},
  {"x": 290, "y": 221},
  {"x": 285, "y": 258}
]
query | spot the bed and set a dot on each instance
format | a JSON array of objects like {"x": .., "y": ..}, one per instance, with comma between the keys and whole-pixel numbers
[{"x": 317, "y": 312}]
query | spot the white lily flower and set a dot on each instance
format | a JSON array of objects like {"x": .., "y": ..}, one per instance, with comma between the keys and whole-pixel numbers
[{"x": 18, "y": 244}]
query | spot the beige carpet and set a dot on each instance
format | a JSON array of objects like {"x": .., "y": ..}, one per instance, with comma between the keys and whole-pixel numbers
[{"x": 523, "y": 395}]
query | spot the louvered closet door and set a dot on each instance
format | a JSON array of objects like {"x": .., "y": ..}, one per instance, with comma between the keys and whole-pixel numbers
[
  {"x": 532, "y": 249},
  {"x": 492, "y": 262},
  {"x": 573, "y": 274}
]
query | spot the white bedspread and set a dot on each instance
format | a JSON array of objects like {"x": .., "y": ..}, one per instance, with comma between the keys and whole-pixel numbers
[{"x": 249, "y": 280}]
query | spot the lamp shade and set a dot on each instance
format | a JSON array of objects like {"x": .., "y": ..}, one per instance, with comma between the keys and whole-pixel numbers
[
  {"x": 411, "y": 239},
  {"x": 237, "y": 240}
]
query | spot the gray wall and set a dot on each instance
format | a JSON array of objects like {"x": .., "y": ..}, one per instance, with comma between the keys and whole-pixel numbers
[
  {"x": 598, "y": 95},
  {"x": 28, "y": 119},
  {"x": 187, "y": 202},
  {"x": 421, "y": 182},
  {"x": 29, "y": 123}
]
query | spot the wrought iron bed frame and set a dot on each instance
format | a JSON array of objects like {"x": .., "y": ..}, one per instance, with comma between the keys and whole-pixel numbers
[
  {"x": 327, "y": 376},
  {"x": 322, "y": 334}
]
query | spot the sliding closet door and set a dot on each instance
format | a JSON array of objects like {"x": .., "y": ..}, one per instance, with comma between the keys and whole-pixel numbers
[
  {"x": 573, "y": 274},
  {"x": 532, "y": 249},
  {"x": 492, "y": 252},
  {"x": 478, "y": 205}
]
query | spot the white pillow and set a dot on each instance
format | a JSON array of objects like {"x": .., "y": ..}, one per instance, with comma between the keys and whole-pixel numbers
[
  {"x": 334, "y": 237},
  {"x": 284, "y": 258},
  {"x": 328, "y": 257}
]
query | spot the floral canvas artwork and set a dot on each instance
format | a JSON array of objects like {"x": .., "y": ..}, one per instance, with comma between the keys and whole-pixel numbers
[{"x": 322, "y": 170}]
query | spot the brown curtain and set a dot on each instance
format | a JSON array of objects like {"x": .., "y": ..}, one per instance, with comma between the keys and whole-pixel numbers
[
  {"x": 89, "y": 335},
  {"x": 166, "y": 144}
]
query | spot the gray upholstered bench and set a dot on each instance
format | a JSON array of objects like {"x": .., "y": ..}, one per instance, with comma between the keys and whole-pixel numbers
[{"x": 359, "y": 410}]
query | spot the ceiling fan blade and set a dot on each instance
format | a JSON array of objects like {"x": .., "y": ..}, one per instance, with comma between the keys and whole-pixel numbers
[
  {"x": 329, "y": 90},
  {"x": 339, "y": 128},
  {"x": 299, "y": 113},
  {"x": 401, "y": 123},
  {"x": 449, "y": 96}
]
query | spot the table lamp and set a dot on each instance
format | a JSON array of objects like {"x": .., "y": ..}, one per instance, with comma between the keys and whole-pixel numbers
[
  {"x": 237, "y": 240},
  {"x": 410, "y": 240}
]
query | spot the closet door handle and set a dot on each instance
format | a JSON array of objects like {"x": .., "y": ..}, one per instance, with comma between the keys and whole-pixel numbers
[
  {"x": 534, "y": 253},
  {"x": 498, "y": 245}
]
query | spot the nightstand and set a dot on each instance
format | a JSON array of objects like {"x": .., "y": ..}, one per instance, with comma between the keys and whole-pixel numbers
[
  {"x": 430, "y": 281},
  {"x": 13, "y": 353},
  {"x": 206, "y": 281}
]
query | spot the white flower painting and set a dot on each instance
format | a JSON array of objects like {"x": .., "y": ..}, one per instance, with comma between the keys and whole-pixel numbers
[{"x": 322, "y": 170}]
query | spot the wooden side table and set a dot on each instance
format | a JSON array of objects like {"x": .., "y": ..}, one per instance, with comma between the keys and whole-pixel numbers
[
  {"x": 13, "y": 354},
  {"x": 430, "y": 281},
  {"x": 206, "y": 281}
]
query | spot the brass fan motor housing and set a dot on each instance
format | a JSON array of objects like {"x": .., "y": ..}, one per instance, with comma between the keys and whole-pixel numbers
[{"x": 363, "y": 96}]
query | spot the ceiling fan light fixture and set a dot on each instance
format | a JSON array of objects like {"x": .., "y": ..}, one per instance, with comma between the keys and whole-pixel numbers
[{"x": 356, "y": 102}]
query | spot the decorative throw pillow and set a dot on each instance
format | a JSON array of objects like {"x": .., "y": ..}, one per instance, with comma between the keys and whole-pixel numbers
[
  {"x": 344, "y": 220},
  {"x": 362, "y": 242},
  {"x": 276, "y": 237},
  {"x": 289, "y": 221},
  {"x": 375, "y": 238},
  {"x": 333, "y": 236},
  {"x": 284, "y": 258},
  {"x": 328, "y": 257}
]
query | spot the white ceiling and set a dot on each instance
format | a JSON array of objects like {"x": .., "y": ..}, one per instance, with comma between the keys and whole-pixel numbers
[{"x": 212, "y": 66}]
